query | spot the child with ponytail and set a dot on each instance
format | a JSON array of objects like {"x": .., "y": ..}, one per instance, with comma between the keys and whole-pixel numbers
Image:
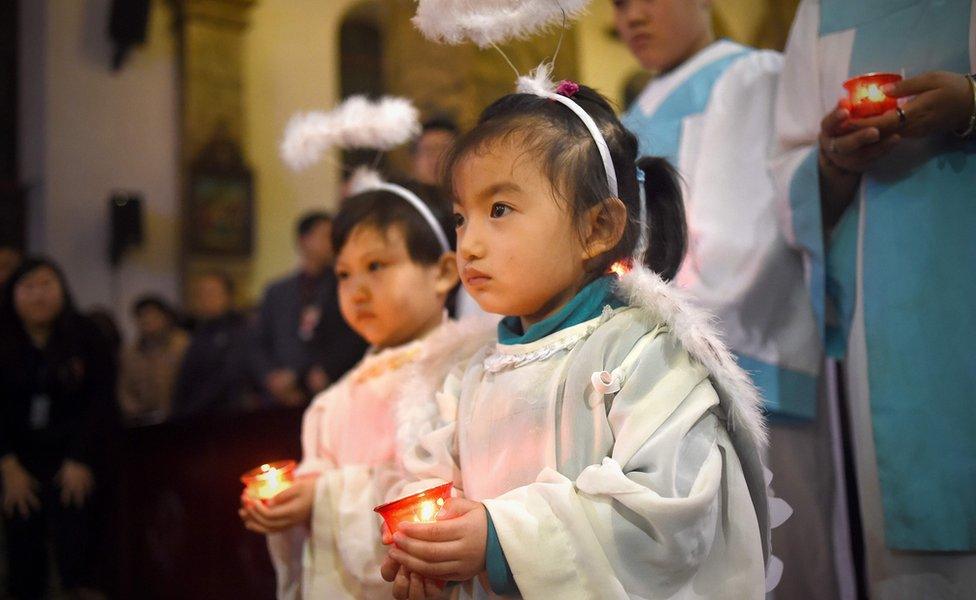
[{"x": 607, "y": 445}]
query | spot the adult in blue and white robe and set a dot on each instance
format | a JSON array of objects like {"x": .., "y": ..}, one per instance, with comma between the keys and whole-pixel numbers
[
  {"x": 892, "y": 282},
  {"x": 711, "y": 117}
]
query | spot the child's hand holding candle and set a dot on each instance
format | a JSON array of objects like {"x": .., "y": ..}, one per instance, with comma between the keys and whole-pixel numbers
[
  {"x": 290, "y": 507},
  {"x": 422, "y": 507},
  {"x": 273, "y": 499},
  {"x": 452, "y": 548}
]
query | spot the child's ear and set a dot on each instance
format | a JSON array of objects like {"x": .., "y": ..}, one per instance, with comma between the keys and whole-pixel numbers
[
  {"x": 604, "y": 226},
  {"x": 447, "y": 273}
]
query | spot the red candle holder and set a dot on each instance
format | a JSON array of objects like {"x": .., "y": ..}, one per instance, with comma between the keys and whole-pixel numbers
[
  {"x": 864, "y": 95},
  {"x": 421, "y": 507},
  {"x": 268, "y": 480}
]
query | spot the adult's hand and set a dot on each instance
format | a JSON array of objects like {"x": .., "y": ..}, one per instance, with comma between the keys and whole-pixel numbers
[
  {"x": 19, "y": 488},
  {"x": 76, "y": 482},
  {"x": 941, "y": 103},
  {"x": 283, "y": 385},
  {"x": 851, "y": 149}
]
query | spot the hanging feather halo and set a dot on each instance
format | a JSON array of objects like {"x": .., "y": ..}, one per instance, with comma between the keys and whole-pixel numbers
[
  {"x": 491, "y": 22},
  {"x": 356, "y": 123}
]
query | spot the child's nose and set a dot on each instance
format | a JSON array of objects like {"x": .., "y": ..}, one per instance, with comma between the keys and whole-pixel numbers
[
  {"x": 470, "y": 245},
  {"x": 360, "y": 292}
]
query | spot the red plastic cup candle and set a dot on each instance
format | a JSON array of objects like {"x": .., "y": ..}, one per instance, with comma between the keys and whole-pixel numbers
[
  {"x": 865, "y": 97},
  {"x": 268, "y": 480},
  {"x": 421, "y": 507}
]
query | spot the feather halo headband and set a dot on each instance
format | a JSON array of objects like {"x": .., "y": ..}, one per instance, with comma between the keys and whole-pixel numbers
[
  {"x": 491, "y": 22},
  {"x": 356, "y": 123},
  {"x": 359, "y": 123}
]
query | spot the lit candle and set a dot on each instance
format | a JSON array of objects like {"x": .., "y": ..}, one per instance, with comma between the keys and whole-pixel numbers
[
  {"x": 421, "y": 507},
  {"x": 268, "y": 480},
  {"x": 864, "y": 95}
]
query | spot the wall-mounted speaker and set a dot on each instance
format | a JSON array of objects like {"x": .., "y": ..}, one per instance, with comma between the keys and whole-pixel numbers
[{"x": 125, "y": 224}]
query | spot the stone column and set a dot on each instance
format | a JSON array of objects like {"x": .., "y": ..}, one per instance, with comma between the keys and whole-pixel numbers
[{"x": 211, "y": 35}]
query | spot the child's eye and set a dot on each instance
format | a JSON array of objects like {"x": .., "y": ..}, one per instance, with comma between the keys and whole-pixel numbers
[
  {"x": 499, "y": 210},
  {"x": 341, "y": 275},
  {"x": 375, "y": 265},
  {"x": 458, "y": 220}
]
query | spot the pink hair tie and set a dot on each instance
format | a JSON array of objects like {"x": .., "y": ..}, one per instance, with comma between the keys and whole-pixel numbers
[{"x": 567, "y": 88}]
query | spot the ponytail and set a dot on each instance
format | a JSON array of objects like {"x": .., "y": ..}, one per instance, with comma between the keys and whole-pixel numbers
[{"x": 666, "y": 231}]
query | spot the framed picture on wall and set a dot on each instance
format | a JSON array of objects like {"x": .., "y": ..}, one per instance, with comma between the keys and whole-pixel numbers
[{"x": 220, "y": 207}]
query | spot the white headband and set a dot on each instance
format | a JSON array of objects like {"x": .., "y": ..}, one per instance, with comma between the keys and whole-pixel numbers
[
  {"x": 417, "y": 203},
  {"x": 642, "y": 241},
  {"x": 540, "y": 84}
]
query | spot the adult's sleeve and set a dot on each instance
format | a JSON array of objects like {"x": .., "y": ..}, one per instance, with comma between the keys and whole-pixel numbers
[
  {"x": 88, "y": 438},
  {"x": 793, "y": 160},
  {"x": 262, "y": 337}
]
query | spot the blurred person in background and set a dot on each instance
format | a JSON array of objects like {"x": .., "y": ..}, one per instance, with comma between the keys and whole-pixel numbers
[
  {"x": 214, "y": 370},
  {"x": 103, "y": 318},
  {"x": 149, "y": 366},
  {"x": 56, "y": 414},
  {"x": 300, "y": 343},
  {"x": 10, "y": 257},
  {"x": 436, "y": 137}
]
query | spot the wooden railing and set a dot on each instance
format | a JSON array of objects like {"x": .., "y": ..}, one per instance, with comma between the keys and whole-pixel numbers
[{"x": 177, "y": 493}]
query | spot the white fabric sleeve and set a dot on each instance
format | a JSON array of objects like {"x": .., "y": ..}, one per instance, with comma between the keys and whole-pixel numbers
[
  {"x": 667, "y": 514},
  {"x": 287, "y": 547},
  {"x": 797, "y": 112},
  {"x": 346, "y": 549},
  {"x": 732, "y": 200},
  {"x": 434, "y": 459},
  {"x": 739, "y": 266}
]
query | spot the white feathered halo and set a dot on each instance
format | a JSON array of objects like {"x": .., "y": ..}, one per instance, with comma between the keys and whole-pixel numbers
[
  {"x": 491, "y": 22},
  {"x": 356, "y": 123}
]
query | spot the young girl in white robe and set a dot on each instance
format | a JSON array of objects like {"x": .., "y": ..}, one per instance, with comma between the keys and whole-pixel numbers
[
  {"x": 394, "y": 279},
  {"x": 607, "y": 446}
]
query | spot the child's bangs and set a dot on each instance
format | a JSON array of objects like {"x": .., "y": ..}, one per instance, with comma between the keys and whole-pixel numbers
[{"x": 561, "y": 156}]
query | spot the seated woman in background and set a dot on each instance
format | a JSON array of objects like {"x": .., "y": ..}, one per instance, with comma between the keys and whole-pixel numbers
[{"x": 56, "y": 405}]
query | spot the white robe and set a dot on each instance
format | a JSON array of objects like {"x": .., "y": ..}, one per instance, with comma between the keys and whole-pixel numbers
[
  {"x": 649, "y": 487},
  {"x": 354, "y": 436},
  {"x": 712, "y": 117}
]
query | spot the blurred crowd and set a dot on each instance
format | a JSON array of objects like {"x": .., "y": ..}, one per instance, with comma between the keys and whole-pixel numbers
[{"x": 70, "y": 381}]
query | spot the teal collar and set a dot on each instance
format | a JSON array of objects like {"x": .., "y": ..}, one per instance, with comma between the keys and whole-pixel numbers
[{"x": 585, "y": 305}]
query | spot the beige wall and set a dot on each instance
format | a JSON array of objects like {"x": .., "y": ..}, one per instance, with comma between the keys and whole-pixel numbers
[
  {"x": 291, "y": 59},
  {"x": 86, "y": 131}
]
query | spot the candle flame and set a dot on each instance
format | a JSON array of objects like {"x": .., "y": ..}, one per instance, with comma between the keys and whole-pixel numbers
[
  {"x": 269, "y": 482},
  {"x": 428, "y": 510},
  {"x": 870, "y": 93}
]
